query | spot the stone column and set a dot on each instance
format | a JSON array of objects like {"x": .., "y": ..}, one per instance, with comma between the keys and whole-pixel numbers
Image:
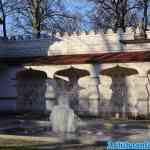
[
  {"x": 93, "y": 87},
  {"x": 31, "y": 88}
]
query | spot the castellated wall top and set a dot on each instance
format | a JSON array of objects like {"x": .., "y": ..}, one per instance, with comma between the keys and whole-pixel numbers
[{"x": 75, "y": 43}]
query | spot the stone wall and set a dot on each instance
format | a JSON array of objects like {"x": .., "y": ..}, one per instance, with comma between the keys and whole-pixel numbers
[
  {"x": 137, "y": 85},
  {"x": 72, "y": 44},
  {"x": 137, "y": 93},
  {"x": 17, "y": 48}
]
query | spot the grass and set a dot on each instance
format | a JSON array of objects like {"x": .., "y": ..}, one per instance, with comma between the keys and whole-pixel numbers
[
  {"x": 17, "y": 142},
  {"x": 18, "y": 148},
  {"x": 23, "y": 143},
  {"x": 12, "y": 142}
]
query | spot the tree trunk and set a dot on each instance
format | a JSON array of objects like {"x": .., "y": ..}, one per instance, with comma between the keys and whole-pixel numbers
[
  {"x": 36, "y": 24},
  {"x": 36, "y": 28},
  {"x": 4, "y": 27},
  {"x": 4, "y": 19},
  {"x": 120, "y": 11},
  {"x": 145, "y": 14}
]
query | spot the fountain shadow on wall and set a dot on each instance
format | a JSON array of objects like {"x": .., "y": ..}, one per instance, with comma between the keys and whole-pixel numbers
[
  {"x": 119, "y": 100},
  {"x": 31, "y": 89}
]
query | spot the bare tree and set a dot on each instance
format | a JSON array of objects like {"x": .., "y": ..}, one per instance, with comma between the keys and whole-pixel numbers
[
  {"x": 39, "y": 15},
  {"x": 3, "y": 20},
  {"x": 113, "y": 13},
  {"x": 144, "y": 5},
  {"x": 7, "y": 8},
  {"x": 146, "y": 12}
]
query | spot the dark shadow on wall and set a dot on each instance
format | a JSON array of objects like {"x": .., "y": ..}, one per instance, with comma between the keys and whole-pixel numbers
[
  {"x": 119, "y": 100},
  {"x": 31, "y": 89},
  {"x": 8, "y": 84},
  {"x": 104, "y": 108},
  {"x": 8, "y": 94},
  {"x": 27, "y": 47}
]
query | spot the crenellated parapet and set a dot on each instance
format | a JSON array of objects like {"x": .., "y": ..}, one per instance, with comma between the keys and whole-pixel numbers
[
  {"x": 129, "y": 31},
  {"x": 72, "y": 43}
]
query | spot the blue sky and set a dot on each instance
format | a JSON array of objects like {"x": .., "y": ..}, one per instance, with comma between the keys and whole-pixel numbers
[{"x": 81, "y": 6}]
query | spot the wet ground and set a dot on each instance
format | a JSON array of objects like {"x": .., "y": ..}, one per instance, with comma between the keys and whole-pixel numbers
[
  {"x": 94, "y": 132},
  {"x": 99, "y": 130}
]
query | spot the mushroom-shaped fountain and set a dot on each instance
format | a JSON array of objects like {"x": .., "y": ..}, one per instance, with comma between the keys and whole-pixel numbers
[
  {"x": 119, "y": 98},
  {"x": 73, "y": 74},
  {"x": 63, "y": 118}
]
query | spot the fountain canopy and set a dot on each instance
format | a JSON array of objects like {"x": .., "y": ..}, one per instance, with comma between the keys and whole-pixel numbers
[
  {"x": 148, "y": 72},
  {"x": 30, "y": 73},
  {"x": 119, "y": 71},
  {"x": 72, "y": 72}
]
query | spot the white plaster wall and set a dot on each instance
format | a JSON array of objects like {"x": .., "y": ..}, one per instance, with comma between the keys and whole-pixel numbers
[
  {"x": 74, "y": 44},
  {"x": 136, "y": 86}
]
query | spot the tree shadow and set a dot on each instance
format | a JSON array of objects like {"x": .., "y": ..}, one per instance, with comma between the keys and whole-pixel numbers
[{"x": 119, "y": 99}]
